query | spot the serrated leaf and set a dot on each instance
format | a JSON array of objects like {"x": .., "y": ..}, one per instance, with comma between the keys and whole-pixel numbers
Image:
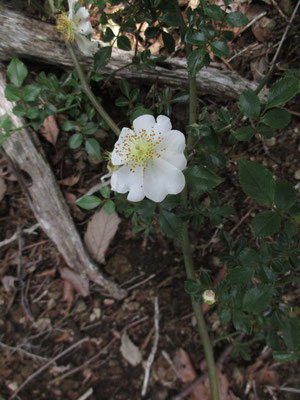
[
  {"x": 92, "y": 147},
  {"x": 123, "y": 43},
  {"x": 197, "y": 38},
  {"x": 191, "y": 286},
  {"x": 249, "y": 104},
  {"x": 236, "y": 19},
  {"x": 285, "y": 195},
  {"x": 170, "y": 224},
  {"x": 89, "y": 202},
  {"x": 214, "y": 12},
  {"x": 277, "y": 118},
  {"x": 124, "y": 86},
  {"x": 172, "y": 18},
  {"x": 220, "y": 48},
  {"x": 31, "y": 92},
  {"x": 239, "y": 275},
  {"x": 5, "y": 122},
  {"x": 256, "y": 181},
  {"x": 201, "y": 179},
  {"x": 194, "y": 61},
  {"x": 12, "y": 93},
  {"x": 257, "y": 299},
  {"x": 109, "y": 207},
  {"x": 17, "y": 72},
  {"x": 265, "y": 224},
  {"x": 285, "y": 356},
  {"x": 169, "y": 41},
  {"x": 102, "y": 57},
  {"x": 282, "y": 91},
  {"x": 241, "y": 321},
  {"x": 121, "y": 102},
  {"x": 100, "y": 231},
  {"x": 224, "y": 315}
]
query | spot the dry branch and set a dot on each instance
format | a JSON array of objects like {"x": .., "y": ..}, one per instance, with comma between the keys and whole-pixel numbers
[
  {"x": 39, "y": 41},
  {"x": 46, "y": 200}
]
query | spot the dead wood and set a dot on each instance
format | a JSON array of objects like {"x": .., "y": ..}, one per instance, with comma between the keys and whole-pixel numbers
[
  {"x": 39, "y": 41},
  {"x": 46, "y": 200}
]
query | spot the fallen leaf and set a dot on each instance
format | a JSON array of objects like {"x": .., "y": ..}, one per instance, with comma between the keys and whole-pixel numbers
[
  {"x": 78, "y": 282},
  {"x": 71, "y": 180},
  {"x": 100, "y": 231},
  {"x": 184, "y": 367},
  {"x": 50, "y": 130},
  {"x": 130, "y": 351},
  {"x": 68, "y": 293},
  {"x": 48, "y": 272},
  {"x": 2, "y": 188},
  {"x": 8, "y": 282}
]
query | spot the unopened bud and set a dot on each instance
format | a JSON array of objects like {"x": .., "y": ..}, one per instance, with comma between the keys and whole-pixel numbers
[{"x": 209, "y": 297}]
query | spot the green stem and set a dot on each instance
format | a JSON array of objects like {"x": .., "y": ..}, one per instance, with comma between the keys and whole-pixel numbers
[
  {"x": 87, "y": 90},
  {"x": 189, "y": 265}
]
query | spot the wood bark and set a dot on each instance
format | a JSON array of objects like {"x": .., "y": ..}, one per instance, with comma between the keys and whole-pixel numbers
[
  {"x": 39, "y": 41},
  {"x": 46, "y": 200}
]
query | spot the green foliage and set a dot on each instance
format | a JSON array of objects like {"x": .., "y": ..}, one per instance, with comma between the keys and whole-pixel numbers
[
  {"x": 17, "y": 72},
  {"x": 89, "y": 202},
  {"x": 282, "y": 91},
  {"x": 249, "y": 104}
]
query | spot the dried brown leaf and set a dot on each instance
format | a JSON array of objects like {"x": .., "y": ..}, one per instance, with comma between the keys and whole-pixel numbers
[
  {"x": 100, "y": 231},
  {"x": 68, "y": 293},
  {"x": 78, "y": 282},
  {"x": 50, "y": 130},
  {"x": 130, "y": 351},
  {"x": 70, "y": 180},
  {"x": 2, "y": 188}
]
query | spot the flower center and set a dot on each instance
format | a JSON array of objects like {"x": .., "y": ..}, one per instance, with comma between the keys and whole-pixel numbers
[
  {"x": 138, "y": 149},
  {"x": 66, "y": 26}
]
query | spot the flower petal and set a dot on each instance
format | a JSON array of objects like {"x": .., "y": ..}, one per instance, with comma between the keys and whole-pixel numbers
[
  {"x": 162, "y": 179},
  {"x": 123, "y": 180},
  {"x": 178, "y": 160},
  {"x": 174, "y": 141},
  {"x": 144, "y": 122},
  {"x": 86, "y": 46},
  {"x": 116, "y": 159},
  {"x": 163, "y": 124},
  {"x": 82, "y": 21}
]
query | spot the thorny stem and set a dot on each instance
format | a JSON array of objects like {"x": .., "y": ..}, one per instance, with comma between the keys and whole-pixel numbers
[
  {"x": 87, "y": 90},
  {"x": 189, "y": 265}
]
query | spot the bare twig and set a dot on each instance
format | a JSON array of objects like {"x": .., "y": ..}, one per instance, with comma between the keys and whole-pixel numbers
[
  {"x": 241, "y": 220},
  {"x": 141, "y": 283},
  {"x": 15, "y": 235},
  {"x": 85, "y": 395},
  {"x": 26, "y": 353},
  {"x": 257, "y": 18},
  {"x": 154, "y": 348},
  {"x": 286, "y": 389},
  {"x": 45, "y": 366}
]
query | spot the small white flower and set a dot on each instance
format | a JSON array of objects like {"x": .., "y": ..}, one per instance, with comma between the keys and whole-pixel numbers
[
  {"x": 75, "y": 25},
  {"x": 209, "y": 297},
  {"x": 151, "y": 159}
]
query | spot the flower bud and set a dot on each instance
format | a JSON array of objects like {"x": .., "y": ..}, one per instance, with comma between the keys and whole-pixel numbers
[{"x": 209, "y": 297}]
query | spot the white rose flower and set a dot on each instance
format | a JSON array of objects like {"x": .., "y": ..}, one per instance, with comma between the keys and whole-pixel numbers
[
  {"x": 75, "y": 25},
  {"x": 151, "y": 159},
  {"x": 209, "y": 297}
]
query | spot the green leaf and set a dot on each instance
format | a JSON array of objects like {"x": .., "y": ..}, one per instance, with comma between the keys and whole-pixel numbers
[
  {"x": 291, "y": 335},
  {"x": 214, "y": 12},
  {"x": 241, "y": 321},
  {"x": 109, "y": 207},
  {"x": 138, "y": 112},
  {"x": 134, "y": 94},
  {"x": 201, "y": 179},
  {"x": 129, "y": 26},
  {"x": 285, "y": 195},
  {"x": 266, "y": 131},
  {"x": 285, "y": 356},
  {"x": 197, "y": 38},
  {"x": 220, "y": 48},
  {"x": 249, "y": 104},
  {"x": 227, "y": 35},
  {"x": 277, "y": 118},
  {"x": 256, "y": 181},
  {"x": 68, "y": 126},
  {"x": 194, "y": 61},
  {"x": 105, "y": 192},
  {"x": 31, "y": 92},
  {"x": 191, "y": 286},
  {"x": 124, "y": 86},
  {"x": 169, "y": 41},
  {"x": 244, "y": 133},
  {"x": 170, "y": 224},
  {"x": 236, "y": 19},
  {"x": 93, "y": 149},
  {"x": 151, "y": 32},
  {"x": 172, "y": 18},
  {"x": 239, "y": 275},
  {"x": 181, "y": 97},
  {"x": 17, "y": 72},
  {"x": 224, "y": 315},
  {"x": 108, "y": 35},
  {"x": 282, "y": 91},
  {"x": 32, "y": 112},
  {"x": 12, "y": 93},
  {"x": 5, "y": 122},
  {"x": 75, "y": 140},
  {"x": 249, "y": 258},
  {"x": 258, "y": 298},
  {"x": 265, "y": 224},
  {"x": 121, "y": 102},
  {"x": 89, "y": 202},
  {"x": 19, "y": 111},
  {"x": 102, "y": 57},
  {"x": 295, "y": 212},
  {"x": 146, "y": 208},
  {"x": 124, "y": 43},
  {"x": 90, "y": 128}
]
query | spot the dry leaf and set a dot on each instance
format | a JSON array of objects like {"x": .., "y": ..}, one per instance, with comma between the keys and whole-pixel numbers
[
  {"x": 78, "y": 282},
  {"x": 71, "y": 180},
  {"x": 68, "y": 293},
  {"x": 50, "y": 130},
  {"x": 100, "y": 231},
  {"x": 130, "y": 351},
  {"x": 9, "y": 283},
  {"x": 2, "y": 188}
]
